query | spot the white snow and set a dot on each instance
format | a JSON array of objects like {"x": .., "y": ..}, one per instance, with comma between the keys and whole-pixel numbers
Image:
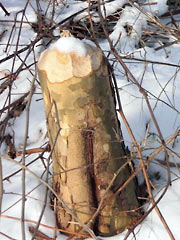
[
  {"x": 160, "y": 81},
  {"x": 154, "y": 7},
  {"x": 111, "y": 7},
  {"x": 107, "y": 8},
  {"x": 70, "y": 45},
  {"x": 128, "y": 29}
]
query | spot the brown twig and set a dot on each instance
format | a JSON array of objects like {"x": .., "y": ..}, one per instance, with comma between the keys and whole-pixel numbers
[
  {"x": 39, "y": 235},
  {"x": 81, "y": 235},
  {"x": 5, "y": 235},
  {"x": 40, "y": 156},
  {"x": 138, "y": 149},
  {"x": 33, "y": 150},
  {"x": 11, "y": 147},
  {"x": 4, "y": 9},
  {"x": 13, "y": 105},
  {"x": 23, "y": 157},
  {"x": 85, "y": 227},
  {"x": 167, "y": 45},
  {"x": 115, "y": 53}
]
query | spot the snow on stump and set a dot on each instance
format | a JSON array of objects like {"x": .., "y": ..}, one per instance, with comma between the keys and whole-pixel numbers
[{"x": 88, "y": 152}]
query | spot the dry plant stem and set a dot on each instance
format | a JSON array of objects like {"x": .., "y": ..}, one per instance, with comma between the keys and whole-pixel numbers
[
  {"x": 23, "y": 157},
  {"x": 47, "y": 226},
  {"x": 144, "y": 216},
  {"x": 4, "y": 9},
  {"x": 167, "y": 45},
  {"x": 138, "y": 149},
  {"x": 153, "y": 19},
  {"x": 54, "y": 220},
  {"x": 19, "y": 33},
  {"x": 5, "y": 235},
  {"x": 45, "y": 202},
  {"x": 12, "y": 77},
  {"x": 29, "y": 46},
  {"x": 85, "y": 227},
  {"x": 172, "y": 164},
  {"x": 46, "y": 192},
  {"x": 141, "y": 162},
  {"x": 14, "y": 173},
  {"x": 150, "y": 61},
  {"x": 154, "y": 203},
  {"x": 160, "y": 100},
  {"x": 150, "y": 159},
  {"x": 32, "y": 151},
  {"x": 113, "y": 50},
  {"x": 17, "y": 21},
  {"x": 91, "y": 22},
  {"x": 11, "y": 33},
  {"x": 19, "y": 100},
  {"x": 40, "y": 36},
  {"x": 1, "y": 185},
  {"x": 134, "y": 141},
  {"x": 39, "y": 235},
  {"x": 19, "y": 200}
]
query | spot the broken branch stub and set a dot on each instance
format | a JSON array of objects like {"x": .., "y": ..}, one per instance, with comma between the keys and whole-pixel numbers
[{"x": 80, "y": 105}]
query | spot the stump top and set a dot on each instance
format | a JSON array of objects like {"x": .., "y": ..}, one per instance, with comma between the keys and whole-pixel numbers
[{"x": 69, "y": 57}]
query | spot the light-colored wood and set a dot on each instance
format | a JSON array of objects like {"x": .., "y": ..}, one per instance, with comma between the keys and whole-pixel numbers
[{"x": 78, "y": 99}]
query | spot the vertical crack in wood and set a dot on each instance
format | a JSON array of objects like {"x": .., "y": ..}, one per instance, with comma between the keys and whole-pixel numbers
[{"x": 88, "y": 135}]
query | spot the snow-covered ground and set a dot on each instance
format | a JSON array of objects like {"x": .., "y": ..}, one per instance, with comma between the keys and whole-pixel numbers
[{"x": 157, "y": 71}]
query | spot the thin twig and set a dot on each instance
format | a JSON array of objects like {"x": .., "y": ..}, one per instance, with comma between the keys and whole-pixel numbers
[
  {"x": 113, "y": 50},
  {"x": 85, "y": 227},
  {"x": 45, "y": 201},
  {"x": 82, "y": 235},
  {"x": 38, "y": 157},
  {"x": 5, "y": 235},
  {"x": 1, "y": 185},
  {"x": 34, "y": 150},
  {"x": 23, "y": 157},
  {"x": 47, "y": 174},
  {"x": 4, "y": 9}
]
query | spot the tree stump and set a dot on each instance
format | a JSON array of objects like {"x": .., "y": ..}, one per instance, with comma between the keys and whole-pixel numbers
[{"x": 89, "y": 151}]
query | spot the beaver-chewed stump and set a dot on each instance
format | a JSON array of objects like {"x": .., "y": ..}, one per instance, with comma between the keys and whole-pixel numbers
[{"x": 89, "y": 152}]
